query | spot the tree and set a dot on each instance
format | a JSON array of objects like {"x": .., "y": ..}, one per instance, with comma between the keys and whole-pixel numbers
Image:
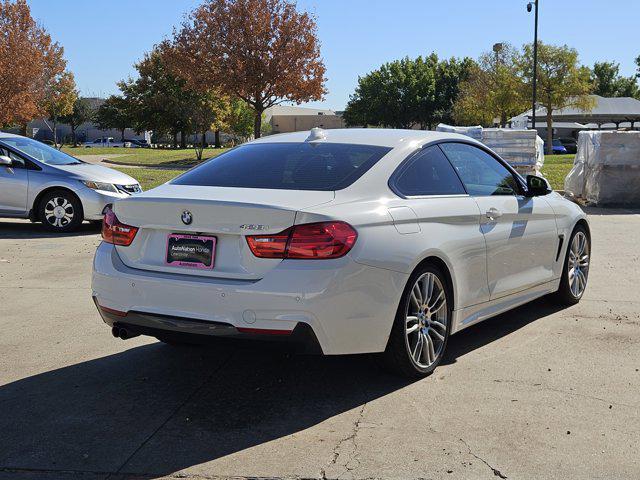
[
  {"x": 407, "y": 92},
  {"x": 209, "y": 112},
  {"x": 60, "y": 96},
  {"x": 158, "y": 100},
  {"x": 608, "y": 82},
  {"x": 389, "y": 96},
  {"x": 262, "y": 51},
  {"x": 448, "y": 74},
  {"x": 562, "y": 82},
  {"x": 492, "y": 90},
  {"x": 240, "y": 119},
  {"x": 115, "y": 112},
  {"x": 81, "y": 112},
  {"x": 29, "y": 59}
]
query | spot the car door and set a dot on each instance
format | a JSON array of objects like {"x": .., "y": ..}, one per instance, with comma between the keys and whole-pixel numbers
[
  {"x": 14, "y": 185},
  {"x": 448, "y": 219},
  {"x": 520, "y": 232}
]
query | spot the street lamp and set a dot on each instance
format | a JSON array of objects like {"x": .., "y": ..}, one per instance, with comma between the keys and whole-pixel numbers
[{"x": 530, "y": 6}]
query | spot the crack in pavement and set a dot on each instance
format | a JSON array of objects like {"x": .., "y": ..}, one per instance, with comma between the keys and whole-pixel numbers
[
  {"x": 566, "y": 392},
  {"x": 349, "y": 438},
  {"x": 173, "y": 413},
  {"x": 496, "y": 472}
]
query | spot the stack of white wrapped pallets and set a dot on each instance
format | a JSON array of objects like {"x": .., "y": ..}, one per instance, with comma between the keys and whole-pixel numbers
[
  {"x": 523, "y": 149},
  {"x": 473, "y": 132},
  {"x": 606, "y": 169}
]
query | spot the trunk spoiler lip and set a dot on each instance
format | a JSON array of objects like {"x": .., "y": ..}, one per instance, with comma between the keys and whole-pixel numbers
[{"x": 160, "y": 195}]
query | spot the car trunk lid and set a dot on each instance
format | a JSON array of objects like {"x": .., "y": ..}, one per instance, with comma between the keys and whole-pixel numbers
[{"x": 228, "y": 214}]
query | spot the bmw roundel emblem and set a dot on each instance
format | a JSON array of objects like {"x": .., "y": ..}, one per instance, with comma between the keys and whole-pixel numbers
[{"x": 186, "y": 217}]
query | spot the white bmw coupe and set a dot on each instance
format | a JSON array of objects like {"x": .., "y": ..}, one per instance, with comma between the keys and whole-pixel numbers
[{"x": 342, "y": 241}]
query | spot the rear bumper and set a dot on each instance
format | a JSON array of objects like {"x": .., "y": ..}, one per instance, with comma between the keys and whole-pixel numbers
[
  {"x": 190, "y": 330},
  {"x": 349, "y": 307}
]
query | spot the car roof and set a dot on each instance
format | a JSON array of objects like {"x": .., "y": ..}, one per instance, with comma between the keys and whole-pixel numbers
[
  {"x": 8, "y": 135},
  {"x": 386, "y": 137}
]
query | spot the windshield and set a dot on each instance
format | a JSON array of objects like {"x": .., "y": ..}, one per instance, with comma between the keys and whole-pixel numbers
[
  {"x": 39, "y": 151},
  {"x": 288, "y": 166}
]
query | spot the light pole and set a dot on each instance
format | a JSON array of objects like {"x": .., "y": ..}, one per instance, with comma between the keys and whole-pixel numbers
[{"x": 531, "y": 5}]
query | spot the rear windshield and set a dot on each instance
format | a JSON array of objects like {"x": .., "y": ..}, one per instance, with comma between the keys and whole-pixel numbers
[{"x": 287, "y": 166}]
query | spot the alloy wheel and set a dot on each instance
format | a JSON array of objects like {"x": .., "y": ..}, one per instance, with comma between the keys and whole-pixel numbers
[
  {"x": 426, "y": 320},
  {"x": 578, "y": 264}
]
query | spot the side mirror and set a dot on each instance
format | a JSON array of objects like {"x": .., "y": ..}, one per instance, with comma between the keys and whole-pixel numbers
[
  {"x": 537, "y": 186},
  {"x": 5, "y": 161}
]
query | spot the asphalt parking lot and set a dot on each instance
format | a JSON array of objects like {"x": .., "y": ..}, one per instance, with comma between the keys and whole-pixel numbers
[{"x": 539, "y": 392}]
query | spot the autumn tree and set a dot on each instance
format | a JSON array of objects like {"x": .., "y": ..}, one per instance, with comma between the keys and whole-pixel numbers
[
  {"x": 60, "y": 96},
  {"x": 493, "y": 89},
  {"x": 116, "y": 113},
  {"x": 263, "y": 51},
  {"x": 29, "y": 60},
  {"x": 562, "y": 81}
]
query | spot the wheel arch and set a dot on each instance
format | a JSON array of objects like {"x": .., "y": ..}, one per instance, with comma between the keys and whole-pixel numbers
[
  {"x": 583, "y": 223},
  {"x": 442, "y": 265},
  {"x": 36, "y": 202}
]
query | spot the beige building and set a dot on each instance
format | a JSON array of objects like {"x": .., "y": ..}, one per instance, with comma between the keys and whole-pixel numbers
[{"x": 284, "y": 119}]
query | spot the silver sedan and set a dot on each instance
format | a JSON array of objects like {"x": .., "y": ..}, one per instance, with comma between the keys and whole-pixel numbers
[{"x": 43, "y": 184}]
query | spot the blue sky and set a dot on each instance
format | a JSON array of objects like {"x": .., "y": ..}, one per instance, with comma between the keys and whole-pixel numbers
[{"x": 103, "y": 39}]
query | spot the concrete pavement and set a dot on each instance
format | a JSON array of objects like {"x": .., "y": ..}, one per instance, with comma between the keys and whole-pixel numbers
[{"x": 539, "y": 392}]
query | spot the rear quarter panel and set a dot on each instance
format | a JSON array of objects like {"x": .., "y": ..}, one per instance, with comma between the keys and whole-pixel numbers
[{"x": 446, "y": 228}]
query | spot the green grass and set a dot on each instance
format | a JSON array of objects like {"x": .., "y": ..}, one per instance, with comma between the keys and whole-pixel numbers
[
  {"x": 151, "y": 177},
  {"x": 148, "y": 157},
  {"x": 556, "y": 168}
]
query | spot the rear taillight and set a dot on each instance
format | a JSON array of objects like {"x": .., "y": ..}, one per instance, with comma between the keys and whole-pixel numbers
[
  {"x": 113, "y": 231},
  {"x": 309, "y": 241}
]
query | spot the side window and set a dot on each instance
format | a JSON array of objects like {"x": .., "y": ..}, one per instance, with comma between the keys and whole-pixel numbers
[
  {"x": 428, "y": 173},
  {"x": 18, "y": 162},
  {"x": 481, "y": 174}
]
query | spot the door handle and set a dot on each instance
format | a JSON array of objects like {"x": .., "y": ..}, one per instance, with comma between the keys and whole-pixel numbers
[{"x": 493, "y": 213}]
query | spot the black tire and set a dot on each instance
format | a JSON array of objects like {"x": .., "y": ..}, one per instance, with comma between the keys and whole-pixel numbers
[
  {"x": 565, "y": 295},
  {"x": 397, "y": 357},
  {"x": 69, "y": 203}
]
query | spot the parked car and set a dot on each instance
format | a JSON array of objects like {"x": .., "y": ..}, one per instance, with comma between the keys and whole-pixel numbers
[
  {"x": 570, "y": 144},
  {"x": 558, "y": 147},
  {"x": 107, "y": 142},
  {"x": 47, "y": 185},
  {"x": 137, "y": 143},
  {"x": 346, "y": 241}
]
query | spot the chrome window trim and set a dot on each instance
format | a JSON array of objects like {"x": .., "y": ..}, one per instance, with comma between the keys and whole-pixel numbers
[{"x": 450, "y": 195}]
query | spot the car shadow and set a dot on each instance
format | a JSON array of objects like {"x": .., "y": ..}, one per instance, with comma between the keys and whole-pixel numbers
[
  {"x": 24, "y": 229},
  {"x": 483, "y": 333},
  {"x": 156, "y": 409}
]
